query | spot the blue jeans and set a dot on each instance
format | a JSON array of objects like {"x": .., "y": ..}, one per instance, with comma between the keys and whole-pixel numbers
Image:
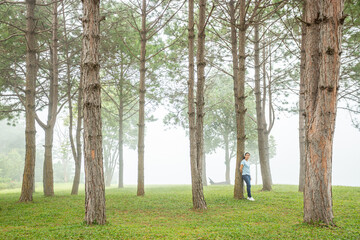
[{"x": 247, "y": 178}]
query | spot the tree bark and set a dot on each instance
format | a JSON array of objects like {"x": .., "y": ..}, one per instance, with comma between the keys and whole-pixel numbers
[
  {"x": 121, "y": 126},
  {"x": 48, "y": 177},
  {"x": 76, "y": 182},
  {"x": 142, "y": 90},
  {"x": 302, "y": 145},
  {"x": 324, "y": 20},
  {"x": 263, "y": 135},
  {"x": 121, "y": 140},
  {"x": 94, "y": 173},
  {"x": 200, "y": 59},
  {"x": 76, "y": 150},
  {"x": 30, "y": 130},
  {"x": 195, "y": 146},
  {"x": 239, "y": 88}
]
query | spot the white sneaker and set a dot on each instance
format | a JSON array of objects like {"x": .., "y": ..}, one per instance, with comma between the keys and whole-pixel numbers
[{"x": 251, "y": 199}]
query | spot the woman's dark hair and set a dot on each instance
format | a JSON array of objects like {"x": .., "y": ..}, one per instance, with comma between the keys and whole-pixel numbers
[{"x": 245, "y": 155}]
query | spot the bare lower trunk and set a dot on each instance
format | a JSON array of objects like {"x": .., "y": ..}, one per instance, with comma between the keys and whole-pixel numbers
[
  {"x": 48, "y": 176},
  {"x": 323, "y": 48},
  {"x": 94, "y": 174},
  {"x": 30, "y": 130},
  {"x": 302, "y": 146},
  {"x": 76, "y": 182},
  {"x": 142, "y": 90},
  {"x": 239, "y": 88},
  {"x": 195, "y": 146},
  {"x": 266, "y": 175}
]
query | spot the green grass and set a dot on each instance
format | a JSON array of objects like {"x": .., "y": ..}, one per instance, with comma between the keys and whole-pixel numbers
[{"x": 165, "y": 213}]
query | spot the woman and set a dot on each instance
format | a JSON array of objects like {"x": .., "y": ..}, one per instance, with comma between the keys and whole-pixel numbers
[{"x": 245, "y": 172}]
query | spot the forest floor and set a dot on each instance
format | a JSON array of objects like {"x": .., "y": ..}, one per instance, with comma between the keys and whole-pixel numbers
[{"x": 165, "y": 213}]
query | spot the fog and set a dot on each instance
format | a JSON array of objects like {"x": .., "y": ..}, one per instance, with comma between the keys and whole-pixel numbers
[{"x": 167, "y": 158}]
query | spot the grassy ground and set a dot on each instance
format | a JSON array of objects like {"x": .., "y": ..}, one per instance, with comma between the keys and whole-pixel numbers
[{"x": 165, "y": 213}]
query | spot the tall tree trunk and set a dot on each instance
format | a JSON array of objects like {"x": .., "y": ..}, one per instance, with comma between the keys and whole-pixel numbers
[
  {"x": 121, "y": 144},
  {"x": 121, "y": 130},
  {"x": 48, "y": 177},
  {"x": 239, "y": 88},
  {"x": 142, "y": 90},
  {"x": 302, "y": 145},
  {"x": 260, "y": 118},
  {"x": 227, "y": 158},
  {"x": 271, "y": 122},
  {"x": 94, "y": 173},
  {"x": 195, "y": 147},
  {"x": 76, "y": 182},
  {"x": 324, "y": 20},
  {"x": 200, "y": 62},
  {"x": 30, "y": 130},
  {"x": 76, "y": 150}
]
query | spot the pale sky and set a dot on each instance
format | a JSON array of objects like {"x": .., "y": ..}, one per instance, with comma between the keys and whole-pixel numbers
[{"x": 167, "y": 155}]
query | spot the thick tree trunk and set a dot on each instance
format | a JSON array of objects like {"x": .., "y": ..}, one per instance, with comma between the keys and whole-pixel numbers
[
  {"x": 239, "y": 88},
  {"x": 323, "y": 48},
  {"x": 263, "y": 136},
  {"x": 30, "y": 130},
  {"x": 142, "y": 90},
  {"x": 94, "y": 173},
  {"x": 302, "y": 145},
  {"x": 196, "y": 147}
]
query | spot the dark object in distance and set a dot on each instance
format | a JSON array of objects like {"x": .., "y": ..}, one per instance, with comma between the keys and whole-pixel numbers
[{"x": 218, "y": 183}]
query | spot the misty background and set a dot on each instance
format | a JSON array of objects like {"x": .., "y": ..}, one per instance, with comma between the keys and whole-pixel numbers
[{"x": 167, "y": 158}]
